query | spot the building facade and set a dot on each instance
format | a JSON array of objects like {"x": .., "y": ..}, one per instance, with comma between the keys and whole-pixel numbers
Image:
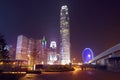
[
  {"x": 52, "y": 55},
  {"x": 30, "y": 50},
  {"x": 38, "y": 46},
  {"x": 65, "y": 35},
  {"x": 21, "y": 48}
]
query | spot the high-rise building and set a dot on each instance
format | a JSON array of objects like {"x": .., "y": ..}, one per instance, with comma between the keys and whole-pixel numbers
[
  {"x": 52, "y": 55},
  {"x": 44, "y": 52},
  {"x": 34, "y": 51},
  {"x": 65, "y": 35},
  {"x": 38, "y": 51},
  {"x": 21, "y": 49},
  {"x": 31, "y": 52}
]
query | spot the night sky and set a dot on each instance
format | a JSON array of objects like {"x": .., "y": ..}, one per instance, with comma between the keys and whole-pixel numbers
[{"x": 93, "y": 23}]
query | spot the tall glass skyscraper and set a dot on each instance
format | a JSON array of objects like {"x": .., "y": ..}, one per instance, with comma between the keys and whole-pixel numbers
[{"x": 65, "y": 35}]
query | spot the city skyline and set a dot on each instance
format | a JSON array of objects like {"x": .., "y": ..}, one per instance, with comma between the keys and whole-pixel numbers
[
  {"x": 93, "y": 24},
  {"x": 36, "y": 51}
]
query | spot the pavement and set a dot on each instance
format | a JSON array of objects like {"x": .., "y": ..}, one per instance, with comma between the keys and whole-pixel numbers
[{"x": 69, "y": 75}]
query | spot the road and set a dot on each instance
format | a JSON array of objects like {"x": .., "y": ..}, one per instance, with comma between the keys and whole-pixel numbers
[{"x": 74, "y": 75}]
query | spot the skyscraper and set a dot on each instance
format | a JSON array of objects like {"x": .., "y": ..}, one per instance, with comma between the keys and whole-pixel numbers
[
  {"x": 21, "y": 49},
  {"x": 38, "y": 47},
  {"x": 44, "y": 55},
  {"x": 52, "y": 55},
  {"x": 31, "y": 53},
  {"x": 65, "y": 35}
]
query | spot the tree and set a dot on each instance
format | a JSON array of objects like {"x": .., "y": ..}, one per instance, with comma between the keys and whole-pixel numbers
[{"x": 3, "y": 50}]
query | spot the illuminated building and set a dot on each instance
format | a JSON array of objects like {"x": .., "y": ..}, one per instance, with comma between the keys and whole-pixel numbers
[
  {"x": 65, "y": 35},
  {"x": 52, "y": 55},
  {"x": 38, "y": 51},
  {"x": 44, "y": 42},
  {"x": 31, "y": 46},
  {"x": 53, "y": 44},
  {"x": 34, "y": 51},
  {"x": 87, "y": 55},
  {"x": 44, "y": 55},
  {"x": 31, "y": 52},
  {"x": 21, "y": 48}
]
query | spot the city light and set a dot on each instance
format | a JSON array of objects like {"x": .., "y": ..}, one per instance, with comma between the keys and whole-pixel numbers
[
  {"x": 87, "y": 55},
  {"x": 65, "y": 35},
  {"x": 53, "y": 44}
]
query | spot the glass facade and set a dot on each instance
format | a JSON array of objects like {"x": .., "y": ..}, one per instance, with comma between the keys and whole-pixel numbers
[{"x": 65, "y": 35}]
